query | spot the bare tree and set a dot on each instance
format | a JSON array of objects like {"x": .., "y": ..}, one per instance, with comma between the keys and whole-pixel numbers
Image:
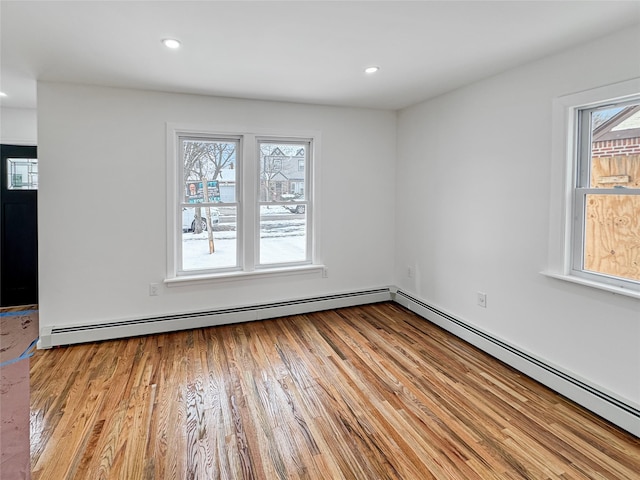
[
  {"x": 220, "y": 156},
  {"x": 204, "y": 162},
  {"x": 195, "y": 169}
]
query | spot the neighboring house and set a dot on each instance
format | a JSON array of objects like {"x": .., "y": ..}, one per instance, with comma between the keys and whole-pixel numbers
[
  {"x": 617, "y": 140},
  {"x": 283, "y": 175},
  {"x": 227, "y": 182}
]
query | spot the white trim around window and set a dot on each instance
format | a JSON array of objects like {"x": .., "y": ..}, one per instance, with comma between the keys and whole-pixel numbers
[
  {"x": 240, "y": 195},
  {"x": 566, "y": 229}
]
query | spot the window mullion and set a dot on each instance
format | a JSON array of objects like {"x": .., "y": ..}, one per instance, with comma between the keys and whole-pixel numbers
[{"x": 250, "y": 209}]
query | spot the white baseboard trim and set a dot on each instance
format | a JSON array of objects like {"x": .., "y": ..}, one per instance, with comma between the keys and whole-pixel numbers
[
  {"x": 618, "y": 411},
  {"x": 592, "y": 397},
  {"x": 72, "y": 334}
]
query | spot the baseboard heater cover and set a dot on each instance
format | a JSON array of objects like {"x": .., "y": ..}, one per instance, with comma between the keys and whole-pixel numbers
[
  {"x": 616, "y": 411},
  {"x": 72, "y": 334}
]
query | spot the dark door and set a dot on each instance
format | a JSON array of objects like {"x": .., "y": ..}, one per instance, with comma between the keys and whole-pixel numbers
[{"x": 19, "y": 226}]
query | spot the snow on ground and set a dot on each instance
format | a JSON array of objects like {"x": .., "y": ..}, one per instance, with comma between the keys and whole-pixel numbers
[{"x": 280, "y": 241}]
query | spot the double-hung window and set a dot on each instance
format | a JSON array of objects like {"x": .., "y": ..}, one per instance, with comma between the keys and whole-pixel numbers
[
  {"x": 284, "y": 236},
  {"x": 603, "y": 203},
  {"x": 241, "y": 203},
  {"x": 208, "y": 203},
  {"x": 606, "y": 231}
]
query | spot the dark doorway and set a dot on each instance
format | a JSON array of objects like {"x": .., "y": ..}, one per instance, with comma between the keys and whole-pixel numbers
[{"x": 19, "y": 226}]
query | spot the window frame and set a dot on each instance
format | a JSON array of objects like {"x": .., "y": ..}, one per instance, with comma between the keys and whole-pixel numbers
[
  {"x": 31, "y": 165},
  {"x": 248, "y": 205},
  {"x": 308, "y": 193},
  {"x": 582, "y": 188},
  {"x": 571, "y": 145},
  {"x": 181, "y": 181}
]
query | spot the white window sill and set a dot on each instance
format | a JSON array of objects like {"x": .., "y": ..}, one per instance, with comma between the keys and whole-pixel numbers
[
  {"x": 235, "y": 276},
  {"x": 592, "y": 284}
]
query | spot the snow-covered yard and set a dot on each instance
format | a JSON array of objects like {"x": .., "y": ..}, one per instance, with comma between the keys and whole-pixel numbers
[{"x": 280, "y": 241}]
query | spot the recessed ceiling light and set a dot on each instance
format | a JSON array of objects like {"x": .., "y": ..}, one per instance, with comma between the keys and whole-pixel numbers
[
  {"x": 372, "y": 69},
  {"x": 171, "y": 43}
]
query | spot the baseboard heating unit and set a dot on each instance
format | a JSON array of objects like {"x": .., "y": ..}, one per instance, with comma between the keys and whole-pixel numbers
[
  {"x": 593, "y": 398},
  {"x": 616, "y": 410},
  {"x": 71, "y": 334}
]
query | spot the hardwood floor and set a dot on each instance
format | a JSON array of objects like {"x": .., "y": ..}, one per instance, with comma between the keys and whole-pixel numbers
[{"x": 371, "y": 392}]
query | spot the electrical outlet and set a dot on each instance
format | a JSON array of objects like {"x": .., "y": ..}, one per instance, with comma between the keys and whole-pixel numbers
[
  {"x": 154, "y": 289},
  {"x": 409, "y": 272},
  {"x": 482, "y": 299},
  {"x": 325, "y": 272}
]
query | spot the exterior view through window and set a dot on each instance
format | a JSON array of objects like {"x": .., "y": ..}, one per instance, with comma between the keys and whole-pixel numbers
[
  {"x": 283, "y": 205},
  {"x": 209, "y": 203},
  {"x": 243, "y": 213},
  {"x": 607, "y": 195}
]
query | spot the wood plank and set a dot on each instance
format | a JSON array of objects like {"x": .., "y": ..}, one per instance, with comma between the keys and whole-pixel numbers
[
  {"x": 620, "y": 179},
  {"x": 356, "y": 393},
  {"x": 612, "y": 235},
  {"x": 612, "y": 232}
]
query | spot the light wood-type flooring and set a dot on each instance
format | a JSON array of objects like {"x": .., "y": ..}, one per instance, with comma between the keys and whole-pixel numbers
[{"x": 372, "y": 392}]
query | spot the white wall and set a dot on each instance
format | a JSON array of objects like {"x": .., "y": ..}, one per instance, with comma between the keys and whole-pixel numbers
[
  {"x": 18, "y": 126},
  {"x": 473, "y": 194},
  {"x": 102, "y": 201},
  {"x": 473, "y": 183}
]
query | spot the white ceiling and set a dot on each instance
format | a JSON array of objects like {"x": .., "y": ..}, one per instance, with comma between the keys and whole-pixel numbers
[{"x": 299, "y": 51}]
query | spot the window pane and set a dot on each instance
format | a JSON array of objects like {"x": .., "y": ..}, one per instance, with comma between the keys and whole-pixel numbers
[
  {"x": 22, "y": 173},
  {"x": 283, "y": 235},
  {"x": 209, "y": 170},
  {"x": 205, "y": 248},
  {"x": 612, "y": 235},
  {"x": 615, "y": 148},
  {"x": 282, "y": 171}
]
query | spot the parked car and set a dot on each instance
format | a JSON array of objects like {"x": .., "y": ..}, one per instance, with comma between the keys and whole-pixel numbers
[
  {"x": 295, "y": 208},
  {"x": 189, "y": 218}
]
